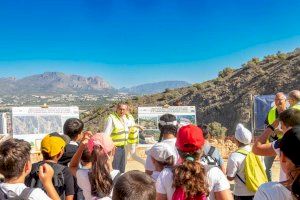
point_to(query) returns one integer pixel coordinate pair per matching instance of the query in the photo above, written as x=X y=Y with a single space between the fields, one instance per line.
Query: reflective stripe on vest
x=119 y=133
x=272 y=115
x=297 y=107
x=133 y=136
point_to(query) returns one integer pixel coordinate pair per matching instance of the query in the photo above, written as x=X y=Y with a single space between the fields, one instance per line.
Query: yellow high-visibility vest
x=120 y=134
x=272 y=115
x=297 y=107
x=272 y=118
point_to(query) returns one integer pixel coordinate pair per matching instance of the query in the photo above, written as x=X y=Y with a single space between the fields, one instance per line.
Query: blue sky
x=130 y=42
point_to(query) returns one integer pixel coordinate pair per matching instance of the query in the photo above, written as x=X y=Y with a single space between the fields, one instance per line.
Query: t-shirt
x=273 y=191
x=65 y=190
x=36 y=194
x=216 y=154
x=149 y=164
x=235 y=166
x=83 y=182
x=282 y=175
x=69 y=152
x=216 y=179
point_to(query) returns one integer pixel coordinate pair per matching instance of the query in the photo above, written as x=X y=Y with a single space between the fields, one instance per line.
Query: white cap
x=161 y=151
x=242 y=134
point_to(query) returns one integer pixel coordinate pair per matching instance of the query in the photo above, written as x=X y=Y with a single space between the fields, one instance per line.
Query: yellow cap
x=52 y=145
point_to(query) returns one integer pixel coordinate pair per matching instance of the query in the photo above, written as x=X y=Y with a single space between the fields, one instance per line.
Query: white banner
x=148 y=117
x=33 y=123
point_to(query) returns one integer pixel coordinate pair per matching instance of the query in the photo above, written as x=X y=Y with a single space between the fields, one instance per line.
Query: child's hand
x=86 y=136
x=46 y=173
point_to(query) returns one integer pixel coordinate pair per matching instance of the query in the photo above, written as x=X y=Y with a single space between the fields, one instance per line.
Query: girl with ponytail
x=191 y=179
x=96 y=182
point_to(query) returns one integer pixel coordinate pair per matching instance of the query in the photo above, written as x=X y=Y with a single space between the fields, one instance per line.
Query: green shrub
x=217 y=130
x=226 y=72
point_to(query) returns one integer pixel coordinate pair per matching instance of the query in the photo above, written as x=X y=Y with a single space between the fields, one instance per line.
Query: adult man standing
x=117 y=127
x=280 y=106
x=294 y=99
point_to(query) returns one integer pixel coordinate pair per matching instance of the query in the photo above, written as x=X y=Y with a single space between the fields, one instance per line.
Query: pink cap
x=101 y=141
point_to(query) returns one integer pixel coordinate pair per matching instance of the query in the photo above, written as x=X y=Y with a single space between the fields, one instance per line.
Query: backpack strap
x=26 y=193
x=3 y=194
x=240 y=179
x=211 y=151
x=243 y=152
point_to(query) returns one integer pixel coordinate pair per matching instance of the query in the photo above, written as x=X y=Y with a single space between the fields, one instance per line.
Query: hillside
x=226 y=99
x=53 y=82
x=152 y=88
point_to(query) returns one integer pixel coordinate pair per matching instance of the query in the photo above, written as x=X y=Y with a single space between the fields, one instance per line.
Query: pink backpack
x=179 y=194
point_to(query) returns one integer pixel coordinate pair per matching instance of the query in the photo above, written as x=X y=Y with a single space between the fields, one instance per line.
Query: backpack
x=209 y=159
x=255 y=174
x=179 y=194
x=33 y=180
x=13 y=196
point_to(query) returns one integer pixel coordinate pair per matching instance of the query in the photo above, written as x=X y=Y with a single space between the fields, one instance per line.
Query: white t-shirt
x=235 y=166
x=149 y=164
x=282 y=175
x=36 y=194
x=273 y=191
x=216 y=179
x=83 y=182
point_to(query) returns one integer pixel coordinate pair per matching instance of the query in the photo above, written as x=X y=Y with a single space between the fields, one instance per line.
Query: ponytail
x=191 y=175
x=99 y=176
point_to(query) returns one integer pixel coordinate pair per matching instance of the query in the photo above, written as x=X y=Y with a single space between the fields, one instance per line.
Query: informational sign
x=148 y=117
x=3 y=123
x=33 y=123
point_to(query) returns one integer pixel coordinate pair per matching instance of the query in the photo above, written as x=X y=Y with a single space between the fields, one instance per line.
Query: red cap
x=189 y=138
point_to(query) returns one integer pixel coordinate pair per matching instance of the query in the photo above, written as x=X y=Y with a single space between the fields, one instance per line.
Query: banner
x=33 y=123
x=262 y=105
x=3 y=123
x=148 y=117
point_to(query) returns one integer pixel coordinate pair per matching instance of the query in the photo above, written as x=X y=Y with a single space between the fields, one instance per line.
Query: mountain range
x=60 y=83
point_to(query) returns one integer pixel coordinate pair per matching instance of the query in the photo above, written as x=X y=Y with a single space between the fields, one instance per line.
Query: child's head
x=73 y=128
x=134 y=185
x=162 y=155
x=167 y=125
x=52 y=147
x=189 y=143
x=14 y=158
x=242 y=135
x=86 y=157
x=289 y=158
x=102 y=151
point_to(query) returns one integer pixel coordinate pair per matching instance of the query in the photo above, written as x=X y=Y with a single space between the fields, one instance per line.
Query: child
x=96 y=182
x=191 y=179
x=134 y=185
x=72 y=128
x=52 y=148
x=162 y=156
x=290 y=163
x=15 y=165
x=236 y=164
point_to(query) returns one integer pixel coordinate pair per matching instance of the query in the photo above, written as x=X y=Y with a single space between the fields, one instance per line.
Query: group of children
x=182 y=165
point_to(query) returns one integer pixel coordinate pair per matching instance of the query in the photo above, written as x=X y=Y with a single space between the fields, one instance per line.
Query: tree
x=226 y=72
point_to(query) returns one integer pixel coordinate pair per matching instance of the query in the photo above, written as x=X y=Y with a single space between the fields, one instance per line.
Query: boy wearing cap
x=52 y=148
x=236 y=164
